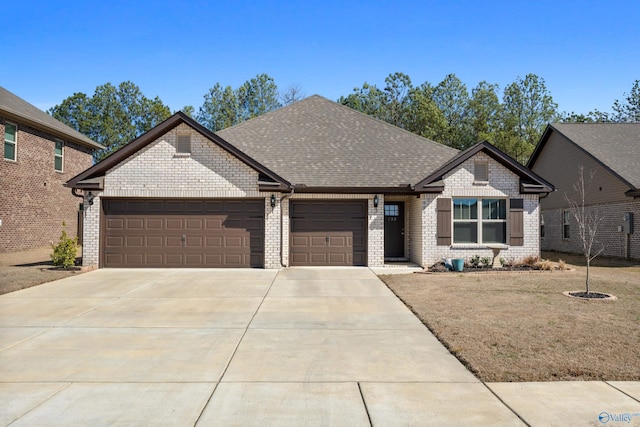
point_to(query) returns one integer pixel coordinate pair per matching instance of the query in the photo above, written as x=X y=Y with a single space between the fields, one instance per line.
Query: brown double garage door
x=182 y=233
x=228 y=233
x=328 y=233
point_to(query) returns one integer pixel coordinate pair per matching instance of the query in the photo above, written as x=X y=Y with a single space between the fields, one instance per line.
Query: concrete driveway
x=298 y=346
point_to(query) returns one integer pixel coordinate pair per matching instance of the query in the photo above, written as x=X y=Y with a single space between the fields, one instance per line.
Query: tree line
x=512 y=119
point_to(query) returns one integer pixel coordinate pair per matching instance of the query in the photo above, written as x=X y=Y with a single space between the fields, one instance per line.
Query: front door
x=394 y=230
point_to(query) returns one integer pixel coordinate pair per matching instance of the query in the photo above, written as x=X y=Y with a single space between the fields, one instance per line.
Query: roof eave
x=403 y=189
x=522 y=171
x=14 y=115
x=172 y=122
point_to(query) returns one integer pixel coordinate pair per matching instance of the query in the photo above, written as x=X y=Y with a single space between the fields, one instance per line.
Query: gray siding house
x=609 y=154
x=311 y=184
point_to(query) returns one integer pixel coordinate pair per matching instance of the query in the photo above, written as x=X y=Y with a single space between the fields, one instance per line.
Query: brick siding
x=33 y=201
x=614 y=241
x=460 y=183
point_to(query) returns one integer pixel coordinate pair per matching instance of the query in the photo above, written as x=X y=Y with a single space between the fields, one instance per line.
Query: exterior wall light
x=273 y=200
x=375 y=201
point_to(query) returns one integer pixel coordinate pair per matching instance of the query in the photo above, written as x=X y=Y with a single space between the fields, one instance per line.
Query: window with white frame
x=10 y=141
x=566 y=224
x=479 y=220
x=542 y=225
x=58 y=156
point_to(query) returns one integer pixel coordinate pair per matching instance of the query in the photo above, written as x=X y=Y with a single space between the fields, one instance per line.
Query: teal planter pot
x=458 y=264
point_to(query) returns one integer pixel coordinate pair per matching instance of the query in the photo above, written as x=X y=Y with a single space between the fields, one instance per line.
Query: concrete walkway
x=298 y=346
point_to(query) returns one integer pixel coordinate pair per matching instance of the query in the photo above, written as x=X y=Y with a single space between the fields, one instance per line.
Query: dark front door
x=394 y=230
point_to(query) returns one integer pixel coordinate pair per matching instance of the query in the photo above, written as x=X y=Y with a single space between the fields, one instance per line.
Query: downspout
x=74 y=192
x=285 y=196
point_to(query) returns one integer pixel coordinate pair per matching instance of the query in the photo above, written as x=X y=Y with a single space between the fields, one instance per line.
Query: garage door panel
x=195 y=224
x=135 y=241
x=115 y=223
x=194 y=242
x=114 y=241
x=154 y=241
x=154 y=224
x=328 y=232
x=318 y=241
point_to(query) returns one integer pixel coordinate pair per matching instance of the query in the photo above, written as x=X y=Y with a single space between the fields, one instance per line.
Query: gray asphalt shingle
x=617 y=145
x=320 y=143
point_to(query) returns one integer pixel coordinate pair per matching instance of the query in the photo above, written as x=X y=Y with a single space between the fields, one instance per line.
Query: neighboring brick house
x=314 y=183
x=609 y=154
x=39 y=155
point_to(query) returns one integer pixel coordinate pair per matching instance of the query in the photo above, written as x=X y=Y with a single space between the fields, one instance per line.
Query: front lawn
x=519 y=326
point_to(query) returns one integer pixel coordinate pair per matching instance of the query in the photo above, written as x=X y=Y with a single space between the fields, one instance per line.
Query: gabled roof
x=616 y=146
x=16 y=108
x=529 y=181
x=89 y=179
x=317 y=143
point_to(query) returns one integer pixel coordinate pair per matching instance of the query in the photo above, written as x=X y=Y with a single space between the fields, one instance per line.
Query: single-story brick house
x=314 y=183
x=609 y=154
x=40 y=154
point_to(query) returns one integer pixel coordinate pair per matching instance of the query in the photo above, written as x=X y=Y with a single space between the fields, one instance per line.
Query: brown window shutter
x=444 y=222
x=516 y=222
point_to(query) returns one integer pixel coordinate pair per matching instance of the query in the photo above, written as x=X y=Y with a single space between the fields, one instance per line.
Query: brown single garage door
x=182 y=233
x=328 y=233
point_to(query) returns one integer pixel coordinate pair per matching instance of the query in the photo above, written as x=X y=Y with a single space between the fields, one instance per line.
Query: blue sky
x=588 y=52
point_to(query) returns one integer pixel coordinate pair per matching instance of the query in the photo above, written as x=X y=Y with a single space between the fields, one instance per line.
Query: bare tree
x=588 y=220
x=293 y=93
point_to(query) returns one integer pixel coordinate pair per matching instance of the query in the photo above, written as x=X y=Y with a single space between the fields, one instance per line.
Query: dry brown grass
x=519 y=326
x=20 y=270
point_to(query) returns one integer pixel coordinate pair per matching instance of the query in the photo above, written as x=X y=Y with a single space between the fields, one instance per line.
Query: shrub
x=64 y=253
x=531 y=260
x=562 y=265
x=475 y=261
x=487 y=261
x=544 y=264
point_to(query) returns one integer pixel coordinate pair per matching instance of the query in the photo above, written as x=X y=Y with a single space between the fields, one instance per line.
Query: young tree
x=485 y=110
x=588 y=220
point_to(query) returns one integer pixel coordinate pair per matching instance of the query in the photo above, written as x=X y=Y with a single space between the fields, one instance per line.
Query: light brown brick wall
x=33 y=201
x=615 y=242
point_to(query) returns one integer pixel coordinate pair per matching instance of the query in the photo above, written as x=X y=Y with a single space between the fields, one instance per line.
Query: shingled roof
x=319 y=143
x=614 y=145
x=16 y=108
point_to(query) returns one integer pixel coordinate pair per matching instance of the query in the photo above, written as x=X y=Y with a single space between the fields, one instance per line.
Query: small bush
x=64 y=253
x=474 y=261
x=544 y=264
x=562 y=265
x=531 y=260
x=487 y=261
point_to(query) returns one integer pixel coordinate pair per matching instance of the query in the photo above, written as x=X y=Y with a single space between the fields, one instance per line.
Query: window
x=184 y=144
x=58 y=156
x=10 y=141
x=391 y=210
x=487 y=226
x=542 y=225
x=566 y=224
x=481 y=172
